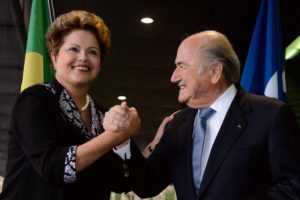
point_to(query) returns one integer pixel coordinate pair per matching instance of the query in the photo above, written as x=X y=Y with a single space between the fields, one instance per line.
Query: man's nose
x=175 y=76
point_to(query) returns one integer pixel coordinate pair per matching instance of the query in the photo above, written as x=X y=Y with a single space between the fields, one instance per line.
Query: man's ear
x=216 y=70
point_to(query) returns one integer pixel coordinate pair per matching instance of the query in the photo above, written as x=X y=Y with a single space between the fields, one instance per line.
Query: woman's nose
x=82 y=55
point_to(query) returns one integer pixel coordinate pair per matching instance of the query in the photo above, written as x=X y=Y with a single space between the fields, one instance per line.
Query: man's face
x=193 y=82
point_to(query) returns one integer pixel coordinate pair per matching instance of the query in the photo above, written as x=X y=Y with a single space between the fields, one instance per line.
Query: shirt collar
x=222 y=104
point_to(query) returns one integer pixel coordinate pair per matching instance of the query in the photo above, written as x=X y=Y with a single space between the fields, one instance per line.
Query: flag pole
x=51 y=10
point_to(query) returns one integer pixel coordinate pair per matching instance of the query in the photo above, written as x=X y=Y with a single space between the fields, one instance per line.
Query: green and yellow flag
x=37 y=63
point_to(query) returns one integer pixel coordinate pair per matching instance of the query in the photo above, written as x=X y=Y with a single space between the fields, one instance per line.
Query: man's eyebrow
x=179 y=63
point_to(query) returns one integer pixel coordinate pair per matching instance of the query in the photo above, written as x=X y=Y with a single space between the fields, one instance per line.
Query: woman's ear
x=53 y=59
x=216 y=70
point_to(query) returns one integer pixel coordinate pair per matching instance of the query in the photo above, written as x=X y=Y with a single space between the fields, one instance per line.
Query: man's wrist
x=124 y=152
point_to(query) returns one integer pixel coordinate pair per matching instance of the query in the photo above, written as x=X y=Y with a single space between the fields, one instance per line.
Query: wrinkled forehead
x=191 y=49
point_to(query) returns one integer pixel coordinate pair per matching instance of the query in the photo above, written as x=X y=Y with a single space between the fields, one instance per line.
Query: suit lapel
x=185 y=150
x=232 y=127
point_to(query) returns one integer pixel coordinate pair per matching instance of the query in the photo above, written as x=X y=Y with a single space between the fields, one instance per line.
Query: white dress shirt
x=221 y=106
x=124 y=152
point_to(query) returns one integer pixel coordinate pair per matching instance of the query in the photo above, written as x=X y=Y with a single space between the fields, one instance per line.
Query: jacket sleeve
x=33 y=126
x=284 y=157
x=146 y=177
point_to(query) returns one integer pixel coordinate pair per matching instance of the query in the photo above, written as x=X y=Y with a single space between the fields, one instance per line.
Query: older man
x=247 y=148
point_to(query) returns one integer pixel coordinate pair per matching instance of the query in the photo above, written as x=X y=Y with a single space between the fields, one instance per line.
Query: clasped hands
x=122 y=120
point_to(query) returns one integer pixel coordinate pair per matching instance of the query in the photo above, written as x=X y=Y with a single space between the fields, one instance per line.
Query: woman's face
x=77 y=62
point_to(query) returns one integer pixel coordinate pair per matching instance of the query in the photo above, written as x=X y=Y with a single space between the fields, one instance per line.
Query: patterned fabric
x=71 y=113
x=70 y=170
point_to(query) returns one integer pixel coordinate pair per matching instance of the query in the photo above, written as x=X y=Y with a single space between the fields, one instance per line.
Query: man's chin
x=181 y=99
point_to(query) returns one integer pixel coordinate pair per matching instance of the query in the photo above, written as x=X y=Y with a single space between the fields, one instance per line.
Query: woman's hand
x=159 y=133
x=122 y=119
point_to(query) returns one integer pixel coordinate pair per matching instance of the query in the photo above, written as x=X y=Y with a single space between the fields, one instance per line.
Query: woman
x=58 y=148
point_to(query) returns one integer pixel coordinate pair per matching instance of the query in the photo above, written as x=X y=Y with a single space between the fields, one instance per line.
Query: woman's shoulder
x=44 y=93
x=38 y=90
x=36 y=96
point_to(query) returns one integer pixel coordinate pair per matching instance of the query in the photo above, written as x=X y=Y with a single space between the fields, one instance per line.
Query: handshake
x=123 y=120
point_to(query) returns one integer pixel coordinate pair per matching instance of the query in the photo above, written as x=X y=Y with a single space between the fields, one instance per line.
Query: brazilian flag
x=37 y=63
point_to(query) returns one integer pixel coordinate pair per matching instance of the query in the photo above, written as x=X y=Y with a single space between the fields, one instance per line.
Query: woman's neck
x=79 y=95
x=80 y=98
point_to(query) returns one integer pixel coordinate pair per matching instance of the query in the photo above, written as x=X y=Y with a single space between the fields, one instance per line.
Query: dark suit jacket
x=256 y=155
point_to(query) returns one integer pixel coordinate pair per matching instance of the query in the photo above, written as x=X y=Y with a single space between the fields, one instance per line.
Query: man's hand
x=117 y=118
x=122 y=119
x=134 y=122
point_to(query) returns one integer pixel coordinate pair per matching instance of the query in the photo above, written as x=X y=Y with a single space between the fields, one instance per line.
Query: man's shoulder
x=185 y=113
x=260 y=100
x=249 y=102
x=184 y=116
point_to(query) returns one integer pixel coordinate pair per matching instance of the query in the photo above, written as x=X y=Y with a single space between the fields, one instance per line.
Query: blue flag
x=263 y=71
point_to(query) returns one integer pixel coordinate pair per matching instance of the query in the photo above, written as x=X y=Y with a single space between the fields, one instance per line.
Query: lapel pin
x=239 y=126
